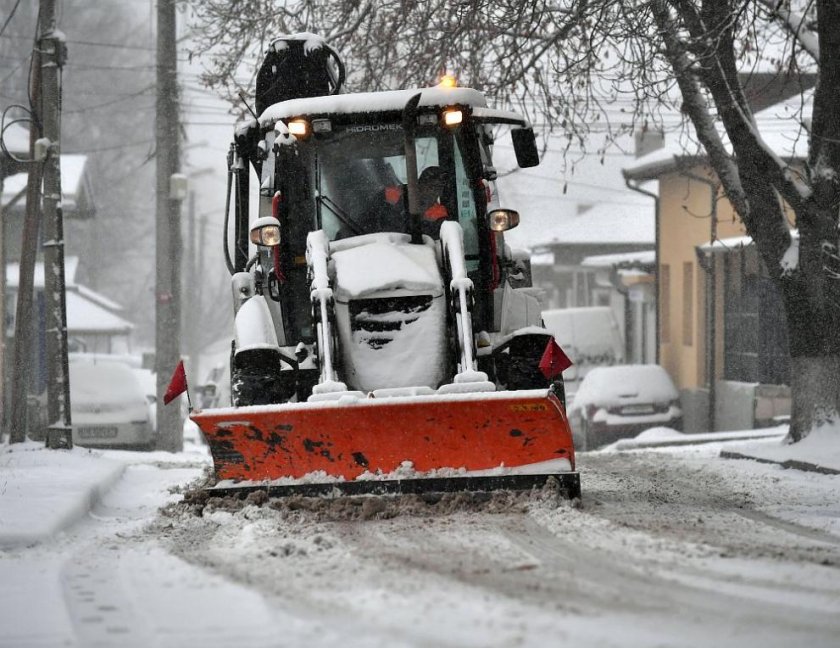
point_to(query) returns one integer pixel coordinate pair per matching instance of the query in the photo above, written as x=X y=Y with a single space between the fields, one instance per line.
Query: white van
x=591 y=338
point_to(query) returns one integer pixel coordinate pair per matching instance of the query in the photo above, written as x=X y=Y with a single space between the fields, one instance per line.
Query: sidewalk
x=44 y=491
x=818 y=452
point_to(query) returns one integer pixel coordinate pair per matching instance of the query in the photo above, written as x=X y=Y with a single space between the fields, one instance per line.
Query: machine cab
x=339 y=164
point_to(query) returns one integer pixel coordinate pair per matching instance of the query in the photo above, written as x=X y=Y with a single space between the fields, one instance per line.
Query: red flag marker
x=177 y=385
x=554 y=361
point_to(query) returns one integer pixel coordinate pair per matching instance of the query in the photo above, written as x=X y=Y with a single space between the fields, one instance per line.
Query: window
x=665 y=304
x=688 y=304
x=467 y=213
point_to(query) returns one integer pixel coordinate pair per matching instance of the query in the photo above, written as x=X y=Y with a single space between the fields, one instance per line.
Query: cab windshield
x=360 y=182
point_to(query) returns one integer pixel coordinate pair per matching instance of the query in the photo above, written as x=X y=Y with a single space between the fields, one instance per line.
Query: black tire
x=256 y=379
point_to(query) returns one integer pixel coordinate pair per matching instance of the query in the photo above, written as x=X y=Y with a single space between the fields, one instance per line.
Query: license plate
x=97 y=432
x=637 y=409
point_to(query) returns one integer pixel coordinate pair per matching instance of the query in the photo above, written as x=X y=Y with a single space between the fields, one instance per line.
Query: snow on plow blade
x=447 y=437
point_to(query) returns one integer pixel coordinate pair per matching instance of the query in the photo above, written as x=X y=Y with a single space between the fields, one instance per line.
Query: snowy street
x=670 y=547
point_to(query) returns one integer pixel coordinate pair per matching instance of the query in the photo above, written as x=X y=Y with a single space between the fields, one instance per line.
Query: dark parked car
x=620 y=402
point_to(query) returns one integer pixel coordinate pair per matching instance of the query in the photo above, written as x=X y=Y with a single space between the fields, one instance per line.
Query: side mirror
x=525 y=147
x=266 y=231
x=502 y=220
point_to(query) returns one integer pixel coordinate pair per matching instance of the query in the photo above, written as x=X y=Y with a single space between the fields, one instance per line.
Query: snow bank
x=45 y=491
x=658 y=433
x=820 y=448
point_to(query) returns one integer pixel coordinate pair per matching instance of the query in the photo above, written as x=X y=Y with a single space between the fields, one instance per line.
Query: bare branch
x=795 y=23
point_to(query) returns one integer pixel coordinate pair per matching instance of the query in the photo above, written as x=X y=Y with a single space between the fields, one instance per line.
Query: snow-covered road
x=668 y=549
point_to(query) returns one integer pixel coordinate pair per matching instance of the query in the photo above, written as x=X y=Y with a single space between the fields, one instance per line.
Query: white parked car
x=108 y=406
x=590 y=336
x=620 y=402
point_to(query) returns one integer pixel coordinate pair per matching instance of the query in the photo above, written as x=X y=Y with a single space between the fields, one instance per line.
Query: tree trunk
x=815 y=389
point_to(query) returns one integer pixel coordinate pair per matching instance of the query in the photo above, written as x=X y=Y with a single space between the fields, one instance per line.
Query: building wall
x=685 y=223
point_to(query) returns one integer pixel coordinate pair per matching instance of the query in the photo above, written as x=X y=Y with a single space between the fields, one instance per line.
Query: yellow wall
x=685 y=223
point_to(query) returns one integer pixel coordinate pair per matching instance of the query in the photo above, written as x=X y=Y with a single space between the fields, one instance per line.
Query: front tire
x=255 y=378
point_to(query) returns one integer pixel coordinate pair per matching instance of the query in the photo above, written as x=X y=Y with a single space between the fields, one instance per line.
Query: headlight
x=452 y=117
x=266 y=231
x=299 y=128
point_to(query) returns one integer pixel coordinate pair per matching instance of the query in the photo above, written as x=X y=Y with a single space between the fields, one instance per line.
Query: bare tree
x=606 y=67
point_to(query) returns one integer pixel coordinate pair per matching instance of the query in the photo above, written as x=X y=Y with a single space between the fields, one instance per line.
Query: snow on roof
x=646 y=258
x=370 y=102
x=497 y=115
x=734 y=242
x=606 y=223
x=543 y=258
x=16 y=139
x=85 y=316
x=549 y=196
x=72 y=176
x=783 y=127
x=12 y=186
x=97 y=298
x=71 y=263
x=87 y=310
x=72 y=173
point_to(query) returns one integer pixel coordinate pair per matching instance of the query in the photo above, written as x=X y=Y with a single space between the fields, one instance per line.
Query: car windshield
x=360 y=180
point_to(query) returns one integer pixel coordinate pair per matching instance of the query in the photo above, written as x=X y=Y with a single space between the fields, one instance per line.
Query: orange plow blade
x=376 y=436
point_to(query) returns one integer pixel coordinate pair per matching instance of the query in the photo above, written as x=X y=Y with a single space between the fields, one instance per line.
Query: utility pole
x=3 y=291
x=168 y=227
x=23 y=358
x=53 y=56
x=190 y=328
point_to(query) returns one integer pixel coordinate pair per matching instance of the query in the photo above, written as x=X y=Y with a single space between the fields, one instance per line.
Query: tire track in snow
x=734 y=508
x=667 y=550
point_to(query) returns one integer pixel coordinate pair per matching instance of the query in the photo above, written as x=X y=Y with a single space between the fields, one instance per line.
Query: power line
x=113 y=148
x=141 y=48
x=9 y=19
x=111 y=102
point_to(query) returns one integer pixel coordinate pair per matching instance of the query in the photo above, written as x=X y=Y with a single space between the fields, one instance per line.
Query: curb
x=690 y=439
x=790 y=464
x=74 y=511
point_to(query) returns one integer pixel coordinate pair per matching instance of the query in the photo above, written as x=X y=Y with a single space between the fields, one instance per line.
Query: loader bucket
x=372 y=438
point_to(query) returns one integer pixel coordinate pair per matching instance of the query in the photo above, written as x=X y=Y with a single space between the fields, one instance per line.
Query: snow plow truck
x=385 y=338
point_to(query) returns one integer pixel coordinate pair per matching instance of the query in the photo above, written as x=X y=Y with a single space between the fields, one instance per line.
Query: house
x=605 y=228
x=76 y=200
x=93 y=321
x=721 y=333
x=631 y=279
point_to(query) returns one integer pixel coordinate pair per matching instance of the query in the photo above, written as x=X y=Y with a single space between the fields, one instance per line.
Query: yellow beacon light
x=448 y=81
